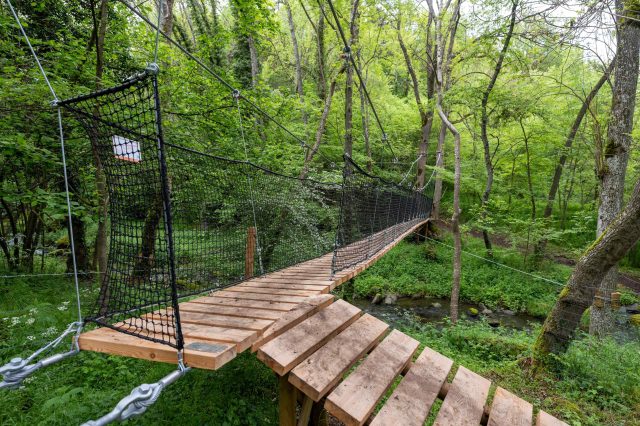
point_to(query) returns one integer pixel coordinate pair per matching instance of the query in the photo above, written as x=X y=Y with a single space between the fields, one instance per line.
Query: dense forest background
x=502 y=110
x=288 y=58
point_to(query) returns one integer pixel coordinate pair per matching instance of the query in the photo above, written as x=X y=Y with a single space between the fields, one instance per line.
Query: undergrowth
x=425 y=270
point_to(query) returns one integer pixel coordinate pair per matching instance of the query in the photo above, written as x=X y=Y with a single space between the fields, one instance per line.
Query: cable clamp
x=18 y=369
x=152 y=68
x=140 y=398
x=236 y=94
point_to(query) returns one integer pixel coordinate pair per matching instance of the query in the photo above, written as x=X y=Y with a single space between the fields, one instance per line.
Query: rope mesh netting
x=374 y=213
x=181 y=219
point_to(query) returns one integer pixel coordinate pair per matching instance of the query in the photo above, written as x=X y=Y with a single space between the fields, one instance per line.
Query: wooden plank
x=242 y=338
x=287 y=350
x=232 y=311
x=411 y=401
x=197 y=353
x=313 y=288
x=509 y=410
x=464 y=403
x=353 y=401
x=224 y=321
x=286 y=284
x=230 y=294
x=294 y=317
x=546 y=419
x=286 y=280
x=274 y=290
x=243 y=303
x=318 y=374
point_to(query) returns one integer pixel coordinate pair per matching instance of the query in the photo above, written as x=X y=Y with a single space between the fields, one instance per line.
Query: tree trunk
x=296 y=52
x=616 y=151
x=484 y=121
x=426 y=116
x=166 y=23
x=442 y=72
x=322 y=81
x=255 y=64
x=100 y=249
x=437 y=191
x=320 y=133
x=596 y=263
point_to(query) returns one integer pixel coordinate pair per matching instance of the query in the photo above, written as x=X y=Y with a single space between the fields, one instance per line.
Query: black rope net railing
x=184 y=222
x=374 y=213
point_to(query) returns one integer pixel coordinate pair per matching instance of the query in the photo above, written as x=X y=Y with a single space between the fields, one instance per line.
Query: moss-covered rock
x=635 y=319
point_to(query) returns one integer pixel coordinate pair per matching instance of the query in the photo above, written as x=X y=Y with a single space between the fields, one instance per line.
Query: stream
x=434 y=310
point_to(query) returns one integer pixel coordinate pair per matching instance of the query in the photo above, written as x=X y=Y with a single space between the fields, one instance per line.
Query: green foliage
x=595 y=382
x=426 y=269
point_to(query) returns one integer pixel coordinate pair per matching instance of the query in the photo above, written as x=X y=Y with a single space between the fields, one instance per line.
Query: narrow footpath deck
x=327 y=353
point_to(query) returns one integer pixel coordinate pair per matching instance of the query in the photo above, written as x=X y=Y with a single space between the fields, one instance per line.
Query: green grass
x=425 y=269
x=594 y=383
x=89 y=385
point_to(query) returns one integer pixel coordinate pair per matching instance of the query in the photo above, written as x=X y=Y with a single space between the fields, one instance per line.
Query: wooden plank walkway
x=327 y=352
x=350 y=374
x=219 y=326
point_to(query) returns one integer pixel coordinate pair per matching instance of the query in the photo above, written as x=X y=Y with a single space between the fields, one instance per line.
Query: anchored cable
x=236 y=97
x=215 y=75
x=363 y=86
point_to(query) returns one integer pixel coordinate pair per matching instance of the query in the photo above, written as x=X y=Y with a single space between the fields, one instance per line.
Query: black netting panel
x=137 y=295
x=214 y=203
x=185 y=222
x=374 y=212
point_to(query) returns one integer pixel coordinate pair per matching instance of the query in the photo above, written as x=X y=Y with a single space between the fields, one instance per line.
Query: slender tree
x=484 y=122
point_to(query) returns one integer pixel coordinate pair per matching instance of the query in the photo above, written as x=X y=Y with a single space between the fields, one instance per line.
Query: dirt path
x=502 y=241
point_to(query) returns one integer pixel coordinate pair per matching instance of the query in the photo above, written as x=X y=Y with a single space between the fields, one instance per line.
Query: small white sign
x=126 y=149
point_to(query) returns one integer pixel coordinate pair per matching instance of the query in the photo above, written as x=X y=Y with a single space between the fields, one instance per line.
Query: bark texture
x=612 y=245
x=484 y=122
x=616 y=151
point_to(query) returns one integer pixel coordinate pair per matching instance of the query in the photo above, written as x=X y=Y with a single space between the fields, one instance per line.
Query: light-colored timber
x=324 y=350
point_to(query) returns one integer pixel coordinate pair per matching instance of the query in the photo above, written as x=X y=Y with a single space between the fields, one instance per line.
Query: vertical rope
x=236 y=97
x=64 y=159
x=155 y=51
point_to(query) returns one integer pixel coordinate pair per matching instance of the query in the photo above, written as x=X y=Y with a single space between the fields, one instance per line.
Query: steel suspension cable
x=363 y=86
x=221 y=80
x=155 y=50
x=236 y=96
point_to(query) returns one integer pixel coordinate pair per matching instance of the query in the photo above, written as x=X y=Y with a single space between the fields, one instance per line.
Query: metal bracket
x=18 y=369
x=152 y=68
x=140 y=398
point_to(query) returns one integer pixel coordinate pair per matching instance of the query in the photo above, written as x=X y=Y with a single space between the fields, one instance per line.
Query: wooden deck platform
x=219 y=326
x=327 y=353
x=347 y=362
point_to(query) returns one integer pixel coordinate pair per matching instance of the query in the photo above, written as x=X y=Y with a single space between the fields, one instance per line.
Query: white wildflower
x=31 y=338
x=33 y=311
x=62 y=308
x=30 y=321
x=15 y=321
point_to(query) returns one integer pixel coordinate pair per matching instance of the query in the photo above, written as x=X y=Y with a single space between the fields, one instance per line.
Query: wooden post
x=286 y=401
x=615 y=300
x=598 y=300
x=249 y=256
